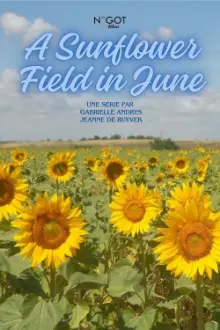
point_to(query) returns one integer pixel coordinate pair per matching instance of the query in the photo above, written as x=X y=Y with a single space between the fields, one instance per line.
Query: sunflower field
x=109 y=239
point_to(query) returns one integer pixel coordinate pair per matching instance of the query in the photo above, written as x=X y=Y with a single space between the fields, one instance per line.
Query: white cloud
x=147 y=36
x=165 y=32
x=37 y=116
x=11 y=23
x=9 y=76
x=38 y=27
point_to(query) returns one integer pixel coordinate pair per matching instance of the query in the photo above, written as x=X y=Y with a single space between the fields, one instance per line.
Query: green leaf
x=184 y=285
x=137 y=299
x=97 y=318
x=42 y=187
x=122 y=279
x=168 y=304
x=13 y=265
x=138 y=293
x=28 y=304
x=90 y=213
x=144 y=321
x=4 y=264
x=62 y=306
x=79 y=313
x=80 y=278
x=216 y=315
x=162 y=326
x=212 y=325
x=18 y=264
x=5 y=226
x=8 y=235
x=87 y=255
x=215 y=200
x=42 y=316
x=10 y=315
x=28 y=282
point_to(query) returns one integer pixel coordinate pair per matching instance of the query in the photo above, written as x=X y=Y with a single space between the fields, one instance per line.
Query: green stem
x=178 y=308
x=57 y=187
x=108 y=243
x=199 y=303
x=47 y=279
x=110 y=194
x=144 y=270
x=52 y=282
x=178 y=316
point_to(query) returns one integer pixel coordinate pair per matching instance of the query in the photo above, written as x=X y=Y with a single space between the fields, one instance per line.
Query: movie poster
x=109 y=165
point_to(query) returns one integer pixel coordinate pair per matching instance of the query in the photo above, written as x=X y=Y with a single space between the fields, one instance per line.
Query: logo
x=109 y=21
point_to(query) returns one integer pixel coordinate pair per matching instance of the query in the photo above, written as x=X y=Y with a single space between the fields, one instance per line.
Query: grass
x=184 y=144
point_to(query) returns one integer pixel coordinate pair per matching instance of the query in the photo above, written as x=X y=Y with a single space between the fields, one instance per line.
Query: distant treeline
x=118 y=137
x=155 y=143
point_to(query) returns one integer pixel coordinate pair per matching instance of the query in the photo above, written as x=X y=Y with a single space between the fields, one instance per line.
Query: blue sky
x=179 y=19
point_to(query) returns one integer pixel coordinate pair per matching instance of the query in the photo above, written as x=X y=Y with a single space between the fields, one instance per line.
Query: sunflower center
x=50 y=233
x=142 y=169
x=153 y=160
x=171 y=175
x=51 y=229
x=91 y=163
x=11 y=168
x=180 y=164
x=60 y=168
x=195 y=241
x=159 y=179
x=6 y=192
x=134 y=210
x=114 y=170
x=19 y=156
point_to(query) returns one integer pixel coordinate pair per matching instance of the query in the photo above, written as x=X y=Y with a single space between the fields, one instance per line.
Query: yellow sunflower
x=100 y=162
x=170 y=183
x=208 y=158
x=115 y=171
x=13 y=192
x=201 y=175
x=72 y=153
x=153 y=161
x=142 y=167
x=60 y=167
x=190 y=243
x=202 y=167
x=19 y=156
x=200 y=149
x=134 y=208
x=12 y=167
x=202 y=164
x=160 y=177
x=181 y=195
x=181 y=164
x=50 y=230
x=105 y=153
x=170 y=165
x=91 y=163
x=118 y=149
x=172 y=174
